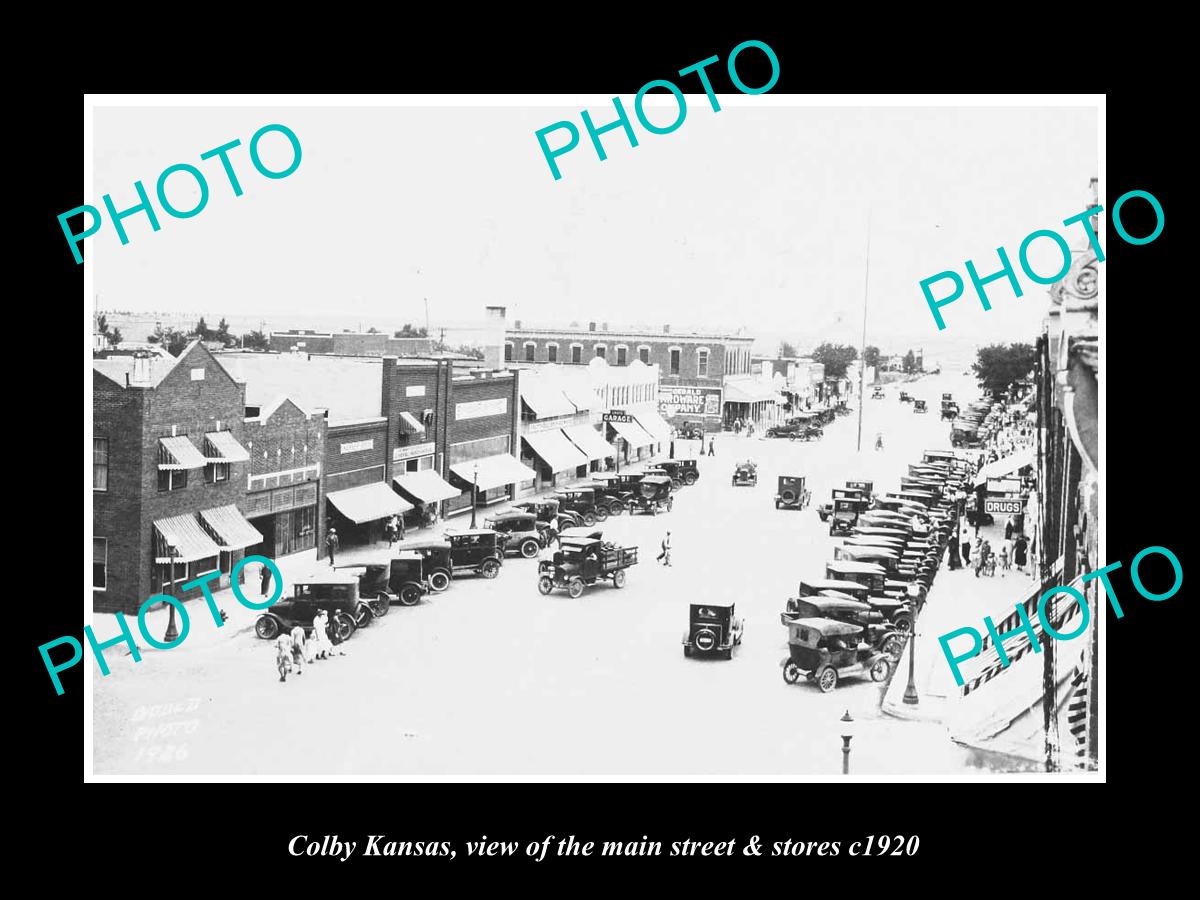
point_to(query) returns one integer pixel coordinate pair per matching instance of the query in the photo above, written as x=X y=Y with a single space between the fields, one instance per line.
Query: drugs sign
x=1003 y=505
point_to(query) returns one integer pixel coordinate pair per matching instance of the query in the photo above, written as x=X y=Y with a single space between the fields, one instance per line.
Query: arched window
x=530 y=351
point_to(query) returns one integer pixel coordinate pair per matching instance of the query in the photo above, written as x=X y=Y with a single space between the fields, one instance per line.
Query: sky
x=753 y=217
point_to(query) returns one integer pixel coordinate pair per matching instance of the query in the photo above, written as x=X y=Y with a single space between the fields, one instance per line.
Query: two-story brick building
x=349 y=343
x=169 y=468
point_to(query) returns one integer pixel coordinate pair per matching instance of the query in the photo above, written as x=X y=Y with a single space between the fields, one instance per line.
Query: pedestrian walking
x=389 y=531
x=966 y=547
x=331 y=544
x=711 y=441
x=1005 y=559
x=1019 y=552
x=552 y=535
x=665 y=556
x=1008 y=529
x=283 y=655
x=264 y=579
x=399 y=527
x=335 y=640
x=319 y=642
x=299 y=649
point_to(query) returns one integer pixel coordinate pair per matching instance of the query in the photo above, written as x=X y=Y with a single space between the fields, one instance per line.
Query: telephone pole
x=862 y=362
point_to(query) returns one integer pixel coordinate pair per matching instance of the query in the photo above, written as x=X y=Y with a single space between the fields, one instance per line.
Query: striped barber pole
x=1077 y=712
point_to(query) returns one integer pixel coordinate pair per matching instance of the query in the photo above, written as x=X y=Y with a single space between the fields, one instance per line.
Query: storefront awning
x=588 y=439
x=187 y=536
x=223 y=447
x=494 y=471
x=748 y=390
x=231 y=528
x=368 y=502
x=1006 y=466
x=545 y=400
x=553 y=448
x=179 y=453
x=634 y=434
x=655 y=426
x=411 y=424
x=426 y=486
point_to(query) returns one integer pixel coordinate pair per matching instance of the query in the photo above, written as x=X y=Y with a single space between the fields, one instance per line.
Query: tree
x=910 y=362
x=222 y=333
x=409 y=332
x=998 y=367
x=871 y=356
x=372 y=330
x=255 y=340
x=202 y=330
x=835 y=357
x=462 y=349
x=172 y=338
x=113 y=337
x=787 y=350
x=102 y=324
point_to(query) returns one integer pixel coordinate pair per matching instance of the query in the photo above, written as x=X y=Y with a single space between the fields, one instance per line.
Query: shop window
x=552 y=353
x=215 y=473
x=172 y=479
x=199 y=567
x=99 y=563
x=304 y=522
x=99 y=464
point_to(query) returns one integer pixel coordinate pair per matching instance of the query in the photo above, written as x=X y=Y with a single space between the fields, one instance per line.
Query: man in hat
x=332 y=544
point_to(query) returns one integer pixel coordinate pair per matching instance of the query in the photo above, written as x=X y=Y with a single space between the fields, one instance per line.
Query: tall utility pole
x=862 y=363
x=426 y=315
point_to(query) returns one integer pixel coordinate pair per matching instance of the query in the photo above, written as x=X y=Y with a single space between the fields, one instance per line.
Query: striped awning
x=426 y=486
x=232 y=530
x=368 y=502
x=411 y=424
x=223 y=447
x=553 y=448
x=588 y=439
x=655 y=426
x=179 y=453
x=635 y=435
x=187 y=536
x=493 y=471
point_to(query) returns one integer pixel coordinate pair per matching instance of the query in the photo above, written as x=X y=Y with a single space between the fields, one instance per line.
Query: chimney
x=493 y=341
x=666 y=329
x=517 y=324
x=141 y=367
x=591 y=326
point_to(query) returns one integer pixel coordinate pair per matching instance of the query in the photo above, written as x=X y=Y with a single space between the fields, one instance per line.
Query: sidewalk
x=957 y=600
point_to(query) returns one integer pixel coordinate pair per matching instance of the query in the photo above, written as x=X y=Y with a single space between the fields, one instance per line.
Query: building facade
x=349 y=343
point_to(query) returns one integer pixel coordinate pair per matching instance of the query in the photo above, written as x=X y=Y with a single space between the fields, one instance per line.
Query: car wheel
x=588 y=520
x=827 y=679
x=903 y=624
x=381 y=604
x=880 y=669
x=490 y=568
x=619 y=578
x=616 y=508
x=410 y=594
x=601 y=513
x=791 y=672
x=266 y=627
x=529 y=549
x=792 y=436
x=575 y=588
x=545 y=584
x=690 y=478
x=439 y=581
x=893 y=646
x=343 y=626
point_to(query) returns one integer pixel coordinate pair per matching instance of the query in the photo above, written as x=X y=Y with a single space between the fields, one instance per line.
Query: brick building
x=555 y=419
x=696 y=371
x=169 y=474
x=349 y=343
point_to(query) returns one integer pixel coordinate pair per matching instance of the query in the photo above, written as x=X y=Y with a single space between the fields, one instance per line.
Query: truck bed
x=618 y=558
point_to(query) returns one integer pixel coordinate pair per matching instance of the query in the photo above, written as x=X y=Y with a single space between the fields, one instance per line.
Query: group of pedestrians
x=393 y=530
x=294 y=649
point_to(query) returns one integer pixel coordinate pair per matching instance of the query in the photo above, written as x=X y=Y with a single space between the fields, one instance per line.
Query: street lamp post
x=847 y=722
x=910 y=690
x=172 y=633
x=474 y=491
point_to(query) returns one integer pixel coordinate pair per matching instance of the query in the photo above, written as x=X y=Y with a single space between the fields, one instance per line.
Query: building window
x=622 y=354
x=644 y=354
x=99 y=563
x=201 y=567
x=601 y=351
x=530 y=352
x=172 y=479
x=508 y=352
x=702 y=362
x=552 y=353
x=577 y=353
x=675 y=360
x=225 y=561
x=99 y=464
x=215 y=473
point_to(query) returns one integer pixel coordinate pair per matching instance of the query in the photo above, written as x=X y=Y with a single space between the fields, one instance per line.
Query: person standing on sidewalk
x=264 y=579
x=320 y=640
x=400 y=526
x=331 y=544
x=1019 y=549
x=966 y=547
x=389 y=531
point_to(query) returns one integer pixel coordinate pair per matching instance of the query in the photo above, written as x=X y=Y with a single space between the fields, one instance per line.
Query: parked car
x=478 y=550
x=791 y=493
x=877 y=632
x=610 y=491
x=825 y=651
x=681 y=471
x=332 y=591
x=582 y=561
x=582 y=500
x=438 y=565
x=653 y=495
x=870 y=588
x=905 y=398
x=712 y=629
x=402 y=579
x=800 y=428
x=919 y=406
x=949 y=409
x=691 y=431
x=524 y=534
x=548 y=509
x=745 y=473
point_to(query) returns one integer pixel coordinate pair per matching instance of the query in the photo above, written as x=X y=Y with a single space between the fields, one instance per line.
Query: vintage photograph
x=707 y=457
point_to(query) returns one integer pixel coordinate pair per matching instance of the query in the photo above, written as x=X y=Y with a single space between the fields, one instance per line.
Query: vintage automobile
x=975 y=517
x=332 y=591
x=583 y=500
x=877 y=631
x=792 y=493
x=862 y=501
x=691 y=431
x=745 y=473
x=681 y=471
x=712 y=629
x=524 y=534
x=404 y=579
x=878 y=394
x=905 y=398
x=582 y=561
x=949 y=409
x=897 y=611
x=477 y=550
x=965 y=435
x=547 y=509
x=842 y=514
x=797 y=428
x=653 y=495
x=825 y=650
x=946 y=397
x=437 y=554
x=919 y=406
x=610 y=491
